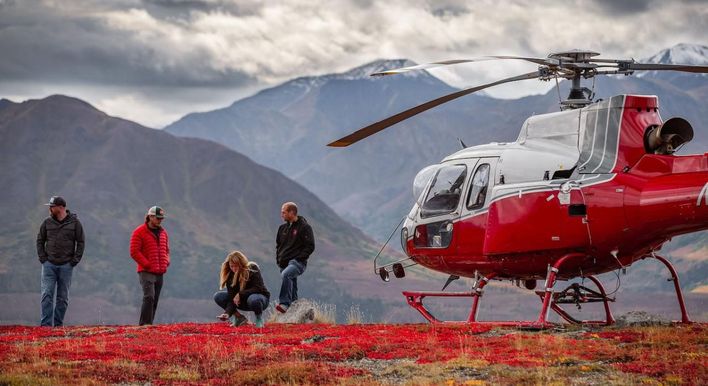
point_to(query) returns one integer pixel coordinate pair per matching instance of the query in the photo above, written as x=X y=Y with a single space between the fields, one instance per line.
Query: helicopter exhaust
x=665 y=139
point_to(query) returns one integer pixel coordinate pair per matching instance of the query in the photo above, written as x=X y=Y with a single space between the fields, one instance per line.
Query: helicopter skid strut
x=679 y=294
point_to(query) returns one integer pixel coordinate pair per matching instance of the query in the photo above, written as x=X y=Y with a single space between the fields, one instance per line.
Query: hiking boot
x=282 y=308
x=238 y=320
x=259 y=321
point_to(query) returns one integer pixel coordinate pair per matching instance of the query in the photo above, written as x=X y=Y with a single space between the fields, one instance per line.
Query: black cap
x=56 y=201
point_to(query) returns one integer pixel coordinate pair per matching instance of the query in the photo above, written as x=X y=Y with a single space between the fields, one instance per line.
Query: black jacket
x=61 y=242
x=294 y=241
x=254 y=285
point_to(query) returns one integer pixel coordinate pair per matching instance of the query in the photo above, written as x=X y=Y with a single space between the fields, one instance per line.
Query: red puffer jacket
x=151 y=253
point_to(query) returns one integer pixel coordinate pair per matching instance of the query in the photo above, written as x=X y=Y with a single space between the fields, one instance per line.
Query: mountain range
x=369 y=183
x=224 y=175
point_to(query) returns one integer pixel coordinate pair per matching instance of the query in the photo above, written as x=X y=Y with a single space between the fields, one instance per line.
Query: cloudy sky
x=153 y=61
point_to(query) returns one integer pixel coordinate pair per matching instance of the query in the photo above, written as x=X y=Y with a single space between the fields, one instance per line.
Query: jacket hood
x=253 y=264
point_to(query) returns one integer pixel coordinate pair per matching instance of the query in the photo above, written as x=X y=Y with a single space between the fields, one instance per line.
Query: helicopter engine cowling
x=669 y=197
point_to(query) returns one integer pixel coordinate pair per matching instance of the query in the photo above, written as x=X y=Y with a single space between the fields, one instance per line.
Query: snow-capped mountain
x=694 y=54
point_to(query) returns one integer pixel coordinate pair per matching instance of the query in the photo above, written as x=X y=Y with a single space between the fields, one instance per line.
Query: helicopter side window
x=445 y=190
x=478 y=191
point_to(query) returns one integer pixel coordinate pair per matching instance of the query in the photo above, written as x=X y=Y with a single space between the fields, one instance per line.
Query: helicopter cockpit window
x=478 y=190
x=445 y=190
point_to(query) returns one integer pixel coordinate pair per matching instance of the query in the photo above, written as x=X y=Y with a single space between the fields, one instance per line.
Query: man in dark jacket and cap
x=60 y=246
x=293 y=245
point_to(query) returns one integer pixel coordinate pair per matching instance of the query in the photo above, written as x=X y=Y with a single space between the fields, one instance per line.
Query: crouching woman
x=242 y=288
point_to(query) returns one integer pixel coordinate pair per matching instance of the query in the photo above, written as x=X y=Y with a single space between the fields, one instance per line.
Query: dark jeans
x=288 y=288
x=255 y=302
x=55 y=277
x=151 y=284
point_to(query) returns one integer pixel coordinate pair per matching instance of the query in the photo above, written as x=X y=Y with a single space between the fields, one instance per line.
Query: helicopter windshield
x=421 y=182
x=445 y=189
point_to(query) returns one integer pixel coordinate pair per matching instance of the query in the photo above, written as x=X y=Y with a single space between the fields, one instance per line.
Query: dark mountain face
x=111 y=170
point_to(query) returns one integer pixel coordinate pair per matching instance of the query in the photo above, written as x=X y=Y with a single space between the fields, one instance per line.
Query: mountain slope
x=111 y=170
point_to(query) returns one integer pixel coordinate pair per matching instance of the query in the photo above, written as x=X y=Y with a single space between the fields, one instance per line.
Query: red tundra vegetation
x=352 y=355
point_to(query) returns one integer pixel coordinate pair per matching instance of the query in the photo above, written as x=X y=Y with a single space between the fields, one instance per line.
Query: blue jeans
x=289 y=274
x=55 y=277
x=255 y=302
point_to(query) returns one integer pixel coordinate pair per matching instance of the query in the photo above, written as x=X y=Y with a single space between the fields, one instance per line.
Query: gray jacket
x=61 y=242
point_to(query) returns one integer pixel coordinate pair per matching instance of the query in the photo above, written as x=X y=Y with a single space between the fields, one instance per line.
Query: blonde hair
x=243 y=275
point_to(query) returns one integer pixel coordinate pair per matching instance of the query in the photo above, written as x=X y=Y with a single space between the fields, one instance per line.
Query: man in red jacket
x=149 y=247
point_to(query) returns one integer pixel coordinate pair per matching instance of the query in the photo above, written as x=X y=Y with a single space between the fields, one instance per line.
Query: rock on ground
x=301 y=311
x=641 y=318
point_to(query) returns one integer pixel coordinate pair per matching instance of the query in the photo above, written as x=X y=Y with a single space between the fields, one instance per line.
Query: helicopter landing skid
x=415 y=300
x=548 y=298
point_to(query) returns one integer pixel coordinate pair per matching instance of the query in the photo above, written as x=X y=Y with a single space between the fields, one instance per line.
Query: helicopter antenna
x=462 y=143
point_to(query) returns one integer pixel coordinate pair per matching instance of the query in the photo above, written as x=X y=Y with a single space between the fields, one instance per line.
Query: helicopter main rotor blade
x=545 y=62
x=392 y=120
x=666 y=67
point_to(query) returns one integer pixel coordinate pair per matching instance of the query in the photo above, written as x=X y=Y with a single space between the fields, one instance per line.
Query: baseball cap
x=156 y=211
x=56 y=201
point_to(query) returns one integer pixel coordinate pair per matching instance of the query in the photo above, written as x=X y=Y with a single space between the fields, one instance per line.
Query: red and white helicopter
x=584 y=191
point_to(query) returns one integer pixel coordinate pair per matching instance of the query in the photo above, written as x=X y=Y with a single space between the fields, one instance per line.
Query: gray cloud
x=85 y=49
x=624 y=7
x=168 y=48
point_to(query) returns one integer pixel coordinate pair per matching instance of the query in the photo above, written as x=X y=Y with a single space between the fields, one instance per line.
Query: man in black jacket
x=293 y=245
x=60 y=246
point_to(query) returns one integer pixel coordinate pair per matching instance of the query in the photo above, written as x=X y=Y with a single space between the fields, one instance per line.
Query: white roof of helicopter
x=554 y=141
x=547 y=142
x=553 y=129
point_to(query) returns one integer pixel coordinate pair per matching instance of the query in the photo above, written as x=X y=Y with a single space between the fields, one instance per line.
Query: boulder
x=301 y=311
x=641 y=318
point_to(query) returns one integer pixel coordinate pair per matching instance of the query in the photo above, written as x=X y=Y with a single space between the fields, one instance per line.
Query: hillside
x=110 y=171
x=375 y=354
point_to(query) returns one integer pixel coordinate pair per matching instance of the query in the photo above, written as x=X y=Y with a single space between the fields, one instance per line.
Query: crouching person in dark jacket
x=242 y=288
x=60 y=246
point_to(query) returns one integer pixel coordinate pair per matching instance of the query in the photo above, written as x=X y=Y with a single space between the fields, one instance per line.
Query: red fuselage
x=614 y=217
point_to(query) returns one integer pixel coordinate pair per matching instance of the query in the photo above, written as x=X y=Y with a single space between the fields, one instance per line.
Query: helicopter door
x=536 y=217
x=473 y=219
